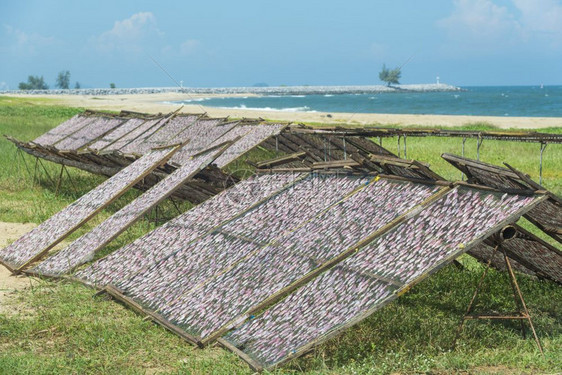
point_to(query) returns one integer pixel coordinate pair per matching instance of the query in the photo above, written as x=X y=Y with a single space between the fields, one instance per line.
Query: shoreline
x=156 y=103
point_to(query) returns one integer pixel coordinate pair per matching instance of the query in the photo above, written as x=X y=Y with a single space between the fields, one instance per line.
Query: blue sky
x=239 y=43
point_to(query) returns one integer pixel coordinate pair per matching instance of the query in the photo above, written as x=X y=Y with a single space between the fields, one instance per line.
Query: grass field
x=58 y=327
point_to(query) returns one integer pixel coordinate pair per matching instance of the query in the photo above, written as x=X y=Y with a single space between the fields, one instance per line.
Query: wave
x=283 y=96
x=191 y=100
x=328 y=95
x=288 y=109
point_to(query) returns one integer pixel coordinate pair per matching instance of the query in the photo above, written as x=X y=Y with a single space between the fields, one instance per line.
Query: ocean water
x=527 y=101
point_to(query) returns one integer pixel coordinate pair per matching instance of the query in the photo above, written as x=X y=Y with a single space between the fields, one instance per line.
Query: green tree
x=77 y=85
x=390 y=76
x=112 y=85
x=34 y=83
x=63 y=79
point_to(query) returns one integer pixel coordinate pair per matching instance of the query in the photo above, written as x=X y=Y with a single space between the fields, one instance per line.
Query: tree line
x=62 y=82
x=390 y=76
x=38 y=82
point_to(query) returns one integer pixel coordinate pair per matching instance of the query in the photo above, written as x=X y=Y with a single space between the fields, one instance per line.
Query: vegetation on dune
x=38 y=83
x=57 y=327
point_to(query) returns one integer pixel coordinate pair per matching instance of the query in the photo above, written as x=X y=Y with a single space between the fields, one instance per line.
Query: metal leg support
x=523 y=312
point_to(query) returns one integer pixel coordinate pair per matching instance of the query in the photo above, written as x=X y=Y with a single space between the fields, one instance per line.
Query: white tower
x=437 y=79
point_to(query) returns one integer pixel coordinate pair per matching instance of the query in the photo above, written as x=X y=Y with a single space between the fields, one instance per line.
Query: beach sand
x=9 y=284
x=155 y=103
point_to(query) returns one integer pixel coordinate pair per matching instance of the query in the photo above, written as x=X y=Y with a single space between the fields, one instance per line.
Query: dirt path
x=8 y=283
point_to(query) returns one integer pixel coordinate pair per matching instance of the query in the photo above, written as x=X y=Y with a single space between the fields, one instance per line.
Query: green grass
x=58 y=327
x=62 y=329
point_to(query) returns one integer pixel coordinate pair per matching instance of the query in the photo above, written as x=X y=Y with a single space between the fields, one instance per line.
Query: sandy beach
x=154 y=103
x=9 y=284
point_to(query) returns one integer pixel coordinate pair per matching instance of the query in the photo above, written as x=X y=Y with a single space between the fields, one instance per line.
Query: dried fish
x=200 y=135
x=92 y=131
x=116 y=134
x=251 y=136
x=293 y=255
x=65 y=129
x=169 y=279
x=362 y=282
x=126 y=143
x=185 y=228
x=70 y=218
x=84 y=248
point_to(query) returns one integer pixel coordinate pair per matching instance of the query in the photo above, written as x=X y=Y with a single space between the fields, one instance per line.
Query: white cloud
x=479 y=19
x=132 y=35
x=140 y=33
x=27 y=44
x=542 y=17
x=484 y=23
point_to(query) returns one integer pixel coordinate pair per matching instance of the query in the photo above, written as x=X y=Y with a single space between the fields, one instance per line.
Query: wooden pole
x=35 y=171
x=72 y=185
x=478 y=144
x=20 y=153
x=59 y=180
x=543 y=147
x=462 y=153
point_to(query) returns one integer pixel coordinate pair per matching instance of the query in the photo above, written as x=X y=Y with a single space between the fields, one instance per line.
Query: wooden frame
x=117 y=230
x=38 y=255
x=523 y=183
x=272 y=299
x=399 y=292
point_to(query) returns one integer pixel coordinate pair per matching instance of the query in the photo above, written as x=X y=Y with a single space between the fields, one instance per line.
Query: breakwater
x=273 y=90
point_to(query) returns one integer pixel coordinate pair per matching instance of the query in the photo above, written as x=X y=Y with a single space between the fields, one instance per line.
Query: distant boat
x=542 y=86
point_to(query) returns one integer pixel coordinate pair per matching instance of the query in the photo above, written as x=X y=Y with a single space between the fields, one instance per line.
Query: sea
x=509 y=101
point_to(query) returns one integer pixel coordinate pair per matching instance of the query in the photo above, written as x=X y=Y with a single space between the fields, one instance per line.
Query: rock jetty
x=273 y=90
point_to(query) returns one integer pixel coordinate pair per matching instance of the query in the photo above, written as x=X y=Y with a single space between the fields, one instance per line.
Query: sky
x=240 y=43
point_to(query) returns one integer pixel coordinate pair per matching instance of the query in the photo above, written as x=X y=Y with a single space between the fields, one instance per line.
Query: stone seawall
x=277 y=90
